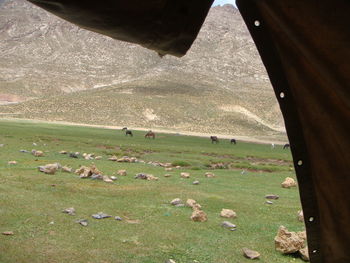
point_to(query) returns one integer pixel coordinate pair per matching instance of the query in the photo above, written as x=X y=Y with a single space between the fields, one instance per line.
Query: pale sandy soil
x=255 y=139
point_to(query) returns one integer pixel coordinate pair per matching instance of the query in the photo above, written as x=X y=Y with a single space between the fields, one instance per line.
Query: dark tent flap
x=166 y=26
x=305 y=48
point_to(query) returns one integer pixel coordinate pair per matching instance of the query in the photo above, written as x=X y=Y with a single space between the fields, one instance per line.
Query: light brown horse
x=150 y=134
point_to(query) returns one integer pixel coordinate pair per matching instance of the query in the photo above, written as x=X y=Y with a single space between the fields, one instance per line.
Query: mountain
x=53 y=70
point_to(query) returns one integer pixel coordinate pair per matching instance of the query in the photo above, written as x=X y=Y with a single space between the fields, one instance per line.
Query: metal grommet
x=300 y=162
x=311 y=219
x=314 y=251
x=256 y=23
x=282 y=95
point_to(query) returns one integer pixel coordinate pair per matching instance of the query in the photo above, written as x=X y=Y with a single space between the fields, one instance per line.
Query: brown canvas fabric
x=166 y=26
x=305 y=46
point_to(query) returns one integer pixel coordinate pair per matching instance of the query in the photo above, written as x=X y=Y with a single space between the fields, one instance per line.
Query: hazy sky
x=222 y=2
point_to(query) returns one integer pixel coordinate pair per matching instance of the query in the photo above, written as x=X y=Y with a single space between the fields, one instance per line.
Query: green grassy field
x=29 y=202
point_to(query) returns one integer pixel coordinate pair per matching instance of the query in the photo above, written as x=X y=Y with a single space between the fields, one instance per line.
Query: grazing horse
x=233 y=141
x=214 y=139
x=286 y=146
x=127 y=132
x=150 y=134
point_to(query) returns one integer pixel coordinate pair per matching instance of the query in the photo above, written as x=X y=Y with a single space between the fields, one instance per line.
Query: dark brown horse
x=214 y=139
x=286 y=146
x=150 y=134
x=233 y=141
x=127 y=132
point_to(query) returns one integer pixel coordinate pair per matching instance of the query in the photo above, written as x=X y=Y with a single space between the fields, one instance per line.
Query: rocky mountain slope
x=53 y=70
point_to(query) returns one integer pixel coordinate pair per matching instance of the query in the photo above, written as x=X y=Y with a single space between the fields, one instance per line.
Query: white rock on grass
x=209 y=175
x=228 y=213
x=67 y=169
x=185 y=175
x=251 y=254
x=38 y=153
x=69 y=211
x=288 y=183
x=106 y=179
x=122 y=172
x=193 y=204
x=176 y=201
x=49 y=168
x=300 y=216
x=11 y=162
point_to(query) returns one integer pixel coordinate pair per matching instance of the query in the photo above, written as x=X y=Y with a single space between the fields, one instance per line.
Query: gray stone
x=100 y=215
x=229 y=225
x=69 y=211
x=176 y=201
x=118 y=218
x=83 y=222
x=273 y=197
x=195 y=182
x=251 y=254
x=269 y=202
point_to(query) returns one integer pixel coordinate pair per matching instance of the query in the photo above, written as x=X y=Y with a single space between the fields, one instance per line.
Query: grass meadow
x=152 y=230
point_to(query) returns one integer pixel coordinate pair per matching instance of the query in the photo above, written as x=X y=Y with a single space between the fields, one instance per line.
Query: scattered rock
x=38 y=153
x=7 y=233
x=300 y=216
x=88 y=156
x=113 y=158
x=122 y=173
x=199 y=216
x=289 y=242
x=74 y=155
x=126 y=159
x=98 y=157
x=304 y=254
x=167 y=175
x=209 y=175
x=106 y=179
x=114 y=178
x=63 y=152
x=2 y=145
x=24 y=151
x=228 y=213
x=100 y=215
x=273 y=197
x=168 y=169
x=170 y=261
x=67 y=169
x=11 y=162
x=176 y=201
x=180 y=205
x=69 y=211
x=118 y=218
x=83 y=222
x=96 y=177
x=289 y=182
x=49 y=168
x=185 y=175
x=218 y=166
x=229 y=225
x=251 y=254
x=148 y=177
x=269 y=202
x=193 y=204
x=195 y=182
x=85 y=172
